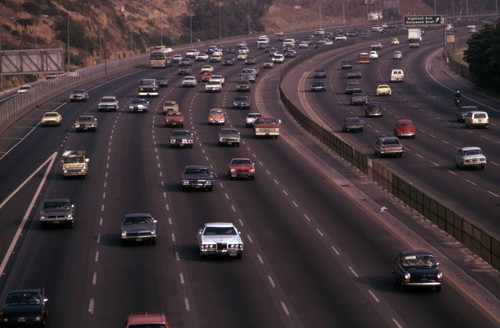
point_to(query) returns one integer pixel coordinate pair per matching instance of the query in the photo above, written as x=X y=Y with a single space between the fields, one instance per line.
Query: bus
x=160 y=56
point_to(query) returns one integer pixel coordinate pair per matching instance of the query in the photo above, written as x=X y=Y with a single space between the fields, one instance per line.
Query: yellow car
x=242 y=56
x=216 y=116
x=170 y=105
x=394 y=41
x=207 y=68
x=384 y=90
x=51 y=118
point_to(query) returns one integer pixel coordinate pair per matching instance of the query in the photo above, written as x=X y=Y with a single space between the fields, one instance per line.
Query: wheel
x=239 y=256
x=438 y=289
x=482 y=167
x=202 y=256
x=153 y=241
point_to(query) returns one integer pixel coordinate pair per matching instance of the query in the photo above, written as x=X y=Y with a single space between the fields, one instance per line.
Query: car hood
x=22 y=310
x=55 y=211
x=422 y=271
x=139 y=227
x=196 y=176
x=242 y=166
x=221 y=239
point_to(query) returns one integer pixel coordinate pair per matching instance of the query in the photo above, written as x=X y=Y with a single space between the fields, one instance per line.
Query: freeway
x=318 y=252
x=426 y=98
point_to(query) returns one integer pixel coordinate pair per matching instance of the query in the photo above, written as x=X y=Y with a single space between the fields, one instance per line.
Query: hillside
x=129 y=27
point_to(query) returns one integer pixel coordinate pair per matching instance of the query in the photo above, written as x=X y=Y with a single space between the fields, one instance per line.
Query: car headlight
x=407 y=276
x=440 y=275
x=172 y=140
x=77 y=125
x=185 y=182
x=252 y=170
x=124 y=234
x=43 y=217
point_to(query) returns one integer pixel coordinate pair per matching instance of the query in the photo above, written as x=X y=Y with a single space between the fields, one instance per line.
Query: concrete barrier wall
x=474 y=238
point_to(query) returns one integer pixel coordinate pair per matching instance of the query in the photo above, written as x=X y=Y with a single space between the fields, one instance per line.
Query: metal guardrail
x=471 y=236
x=22 y=103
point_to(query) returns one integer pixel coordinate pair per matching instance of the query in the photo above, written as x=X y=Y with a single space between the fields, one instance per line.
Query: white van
x=397 y=75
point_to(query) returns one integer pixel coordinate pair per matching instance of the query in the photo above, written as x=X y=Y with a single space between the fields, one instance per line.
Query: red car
x=206 y=76
x=174 y=118
x=147 y=320
x=241 y=168
x=404 y=129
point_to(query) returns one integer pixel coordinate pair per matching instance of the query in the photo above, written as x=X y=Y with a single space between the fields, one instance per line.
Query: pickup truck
x=388 y=146
x=148 y=87
x=57 y=212
x=75 y=163
x=266 y=126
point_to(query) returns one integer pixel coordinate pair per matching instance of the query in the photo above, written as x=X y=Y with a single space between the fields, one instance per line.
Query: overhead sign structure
x=423 y=20
x=34 y=61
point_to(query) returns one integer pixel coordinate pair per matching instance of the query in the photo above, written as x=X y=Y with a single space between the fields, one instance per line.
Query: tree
x=483 y=57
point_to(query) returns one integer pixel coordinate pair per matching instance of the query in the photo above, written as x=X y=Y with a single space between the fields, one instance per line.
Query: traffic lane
x=427 y=149
x=313 y=193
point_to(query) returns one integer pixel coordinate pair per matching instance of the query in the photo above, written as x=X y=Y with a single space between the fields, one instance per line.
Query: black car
x=417 y=269
x=318 y=86
x=228 y=61
x=373 y=109
x=25 y=307
x=242 y=102
x=352 y=124
x=319 y=73
x=138 y=227
x=197 y=177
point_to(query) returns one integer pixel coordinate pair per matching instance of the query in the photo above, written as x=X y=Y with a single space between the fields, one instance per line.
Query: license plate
x=138 y=239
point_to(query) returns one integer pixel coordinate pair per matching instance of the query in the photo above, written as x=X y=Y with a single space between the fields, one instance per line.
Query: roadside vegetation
x=483 y=56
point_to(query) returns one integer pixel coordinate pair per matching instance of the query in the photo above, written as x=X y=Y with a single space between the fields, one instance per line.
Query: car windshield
x=215 y=231
x=108 y=100
x=228 y=132
x=215 y=112
x=138 y=101
x=241 y=99
x=419 y=260
x=73 y=159
x=473 y=152
x=85 y=118
x=78 y=91
x=174 y=114
x=241 y=161
x=392 y=141
x=56 y=205
x=50 y=115
x=203 y=171
x=23 y=298
x=405 y=124
x=180 y=133
x=137 y=220
x=353 y=120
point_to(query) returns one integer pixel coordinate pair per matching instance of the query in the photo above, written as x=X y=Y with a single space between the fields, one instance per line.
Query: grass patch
x=458 y=56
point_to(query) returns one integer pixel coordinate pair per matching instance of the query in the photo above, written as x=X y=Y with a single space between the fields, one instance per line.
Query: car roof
x=219 y=224
x=196 y=167
x=131 y=215
x=416 y=252
x=143 y=318
x=470 y=148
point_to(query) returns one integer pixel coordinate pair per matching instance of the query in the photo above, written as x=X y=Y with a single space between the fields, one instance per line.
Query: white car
x=397 y=55
x=189 y=81
x=192 y=53
x=373 y=54
x=213 y=86
x=201 y=57
x=217 y=78
x=303 y=44
x=470 y=157
x=24 y=88
x=220 y=238
x=278 y=58
x=340 y=38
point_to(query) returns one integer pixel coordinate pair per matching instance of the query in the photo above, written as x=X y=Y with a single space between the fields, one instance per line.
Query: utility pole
x=67 y=43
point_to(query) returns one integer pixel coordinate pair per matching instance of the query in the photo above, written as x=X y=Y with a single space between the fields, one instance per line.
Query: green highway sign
x=423 y=20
